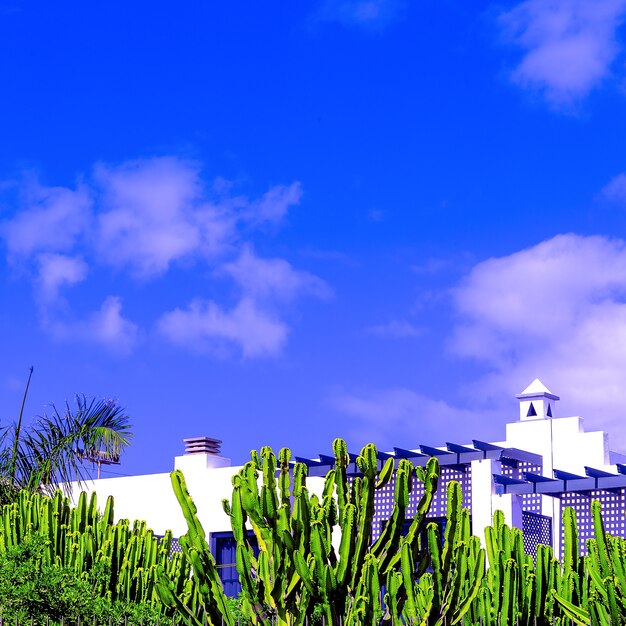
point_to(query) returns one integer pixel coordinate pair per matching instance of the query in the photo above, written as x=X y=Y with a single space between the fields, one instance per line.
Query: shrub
x=30 y=589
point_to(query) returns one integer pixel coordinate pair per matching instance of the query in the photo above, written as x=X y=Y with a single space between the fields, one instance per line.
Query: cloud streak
x=615 y=190
x=273 y=279
x=360 y=13
x=396 y=329
x=379 y=415
x=106 y=327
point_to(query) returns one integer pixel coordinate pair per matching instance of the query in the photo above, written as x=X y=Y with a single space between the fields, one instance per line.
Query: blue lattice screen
x=530 y=501
x=383 y=498
x=613 y=508
x=175 y=547
x=537 y=529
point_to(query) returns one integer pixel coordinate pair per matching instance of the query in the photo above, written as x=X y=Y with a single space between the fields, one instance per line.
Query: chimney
x=201 y=453
x=203 y=445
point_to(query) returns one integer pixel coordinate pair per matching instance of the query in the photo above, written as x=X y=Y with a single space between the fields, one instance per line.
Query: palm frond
x=54 y=448
x=8 y=487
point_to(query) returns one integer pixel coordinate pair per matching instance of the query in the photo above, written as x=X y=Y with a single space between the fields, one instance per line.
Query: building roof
x=536 y=389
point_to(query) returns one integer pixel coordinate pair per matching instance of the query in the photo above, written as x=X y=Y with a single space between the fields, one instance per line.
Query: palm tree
x=52 y=451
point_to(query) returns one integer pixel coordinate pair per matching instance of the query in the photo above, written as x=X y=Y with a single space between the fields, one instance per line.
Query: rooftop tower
x=536 y=402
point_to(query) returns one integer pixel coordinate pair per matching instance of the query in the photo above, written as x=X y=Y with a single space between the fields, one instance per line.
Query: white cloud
x=107 y=326
x=273 y=278
x=56 y=271
x=556 y=311
x=51 y=220
x=568 y=45
x=253 y=325
x=205 y=325
x=615 y=190
x=431 y=266
x=156 y=211
x=140 y=218
x=539 y=293
x=149 y=217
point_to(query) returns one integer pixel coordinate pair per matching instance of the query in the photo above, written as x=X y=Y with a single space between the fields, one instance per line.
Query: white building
x=545 y=462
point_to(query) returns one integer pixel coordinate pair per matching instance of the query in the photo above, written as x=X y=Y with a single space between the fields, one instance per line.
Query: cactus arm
x=594 y=570
x=434 y=548
x=530 y=589
x=601 y=539
x=392 y=529
x=393 y=597
x=245 y=569
x=425 y=596
x=617 y=557
x=187 y=505
x=340 y=477
x=430 y=481
x=368 y=464
x=451 y=600
x=284 y=481
x=541 y=576
x=407 y=578
x=429 y=476
x=570 y=552
x=508 y=594
x=318 y=547
x=303 y=571
x=265 y=579
x=346 y=546
x=476 y=581
x=386 y=473
x=373 y=587
x=576 y=613
x=614 y=609
x=269 y=499
x=171 y=600
x=452 y=526
x=598 y=613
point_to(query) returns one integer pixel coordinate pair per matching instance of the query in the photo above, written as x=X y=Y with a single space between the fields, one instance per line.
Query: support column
x=511 y=505
x=483 y=492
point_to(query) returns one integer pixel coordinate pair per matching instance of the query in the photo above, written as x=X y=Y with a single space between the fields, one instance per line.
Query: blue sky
x=278 y=223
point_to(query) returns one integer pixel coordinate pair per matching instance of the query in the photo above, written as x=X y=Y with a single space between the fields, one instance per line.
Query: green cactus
x=316 y=550
x=209 y=599
x=446 y=594
x=299 y=566
x=82 y=538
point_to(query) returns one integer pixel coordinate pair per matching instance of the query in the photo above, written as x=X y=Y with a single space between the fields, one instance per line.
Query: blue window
x=224 y=549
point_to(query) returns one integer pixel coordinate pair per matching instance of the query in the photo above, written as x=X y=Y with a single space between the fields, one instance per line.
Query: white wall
x=150 y=497
x=562 y=442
